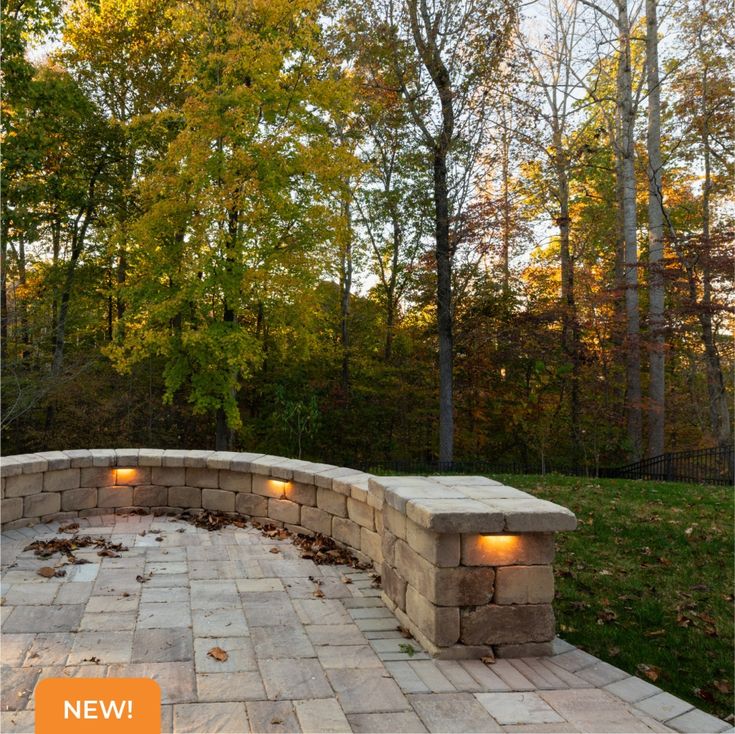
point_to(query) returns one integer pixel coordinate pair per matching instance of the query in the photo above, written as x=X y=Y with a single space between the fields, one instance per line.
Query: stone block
x=10 y=466
x=304 y=494
x=388 y=543
x=79 y=457
x=218 y=500
x=197 y=458
x=133 y=476
x=343 y=485
x=394 y=585
x=170 y=476
x=21 y=485
x=456 y=515
x=251 y=504
x=97 y=476
x=331 y=502
x=361 y=513
x=370 y=545
x=150 y=457
x=527 y=549
x=55 y=459
x=268 y=487
x=524 y=585
x=441 y=549
x=346 y=531
x=524 y=650
x=127 y=457
x=11 y=509
x=21 y=522
x=284 y=510
x=235 y=481
x=221 y=459
x=316 y=520
x=439 y=624
x=103 y=457
x=495 y=624
x=79 y=499
x=45 y=503
x=532 y=515
x=379 y=525
x=187 y=497
x=202 y=477
x=457 y=586
x=174 y=457
x=150 y=495
x=114 y=497
x=394 y=521
x=32 y=463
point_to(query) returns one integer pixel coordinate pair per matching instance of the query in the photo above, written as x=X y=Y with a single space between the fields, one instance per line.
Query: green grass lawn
x=646 y=580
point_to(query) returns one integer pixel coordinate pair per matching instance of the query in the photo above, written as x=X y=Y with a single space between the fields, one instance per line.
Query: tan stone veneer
x=465 y=561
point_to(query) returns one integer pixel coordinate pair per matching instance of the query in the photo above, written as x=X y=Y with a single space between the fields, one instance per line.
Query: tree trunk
x=625 y=148
x=505 y=254
x=391 y=305
x=570 y=326
x=718 y=408
x=656 y=288
x=444 y=307
x=345 y=292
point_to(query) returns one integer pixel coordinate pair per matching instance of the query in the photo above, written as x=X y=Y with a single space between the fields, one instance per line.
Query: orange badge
x=98 y=706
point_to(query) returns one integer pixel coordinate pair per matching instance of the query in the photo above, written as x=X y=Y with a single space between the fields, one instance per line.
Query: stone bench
x=465 y=562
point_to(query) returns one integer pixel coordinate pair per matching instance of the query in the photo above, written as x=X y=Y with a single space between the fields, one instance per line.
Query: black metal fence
x=701 y=466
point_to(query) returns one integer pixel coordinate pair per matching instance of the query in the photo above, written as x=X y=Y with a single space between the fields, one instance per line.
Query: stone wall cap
x=103 y=457
x=471 y=505
x=55 y=459
x=127 y=457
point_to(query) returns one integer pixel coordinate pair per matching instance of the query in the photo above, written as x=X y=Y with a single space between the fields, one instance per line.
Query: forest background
x=369 y=230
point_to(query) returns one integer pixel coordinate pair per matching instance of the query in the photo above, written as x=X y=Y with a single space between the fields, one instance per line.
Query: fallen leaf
x=404 y=632
x=723 y=686
x=46 y=571
x=143 y=579
x=276 y=721
x=159 y=539
x=655 y=633
x=346 y=580
x=651 y=672
x=488 y=659
x=108 y=553
x=274 y=550
x=318 y=593
x=71 y=527
x=218 y=654
x=93 y=659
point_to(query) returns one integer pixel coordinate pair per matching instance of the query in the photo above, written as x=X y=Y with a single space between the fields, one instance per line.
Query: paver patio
x=333 y=661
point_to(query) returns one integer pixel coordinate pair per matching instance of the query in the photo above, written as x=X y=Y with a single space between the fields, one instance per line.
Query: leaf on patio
x=318 y=593
x=274 y=550
x=71 y=527
x=346 y=580
x=93 y=659
x=46 y=571
x=106 y=553
x=488 y=659
x=652 y=672
x=218 y=654
x=143 y=579
x=404 y=632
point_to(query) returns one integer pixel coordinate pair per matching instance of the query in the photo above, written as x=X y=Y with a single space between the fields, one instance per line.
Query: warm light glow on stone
x=125 y=476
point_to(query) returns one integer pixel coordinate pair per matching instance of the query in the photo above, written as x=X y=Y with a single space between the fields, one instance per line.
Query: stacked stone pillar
x=467 y=564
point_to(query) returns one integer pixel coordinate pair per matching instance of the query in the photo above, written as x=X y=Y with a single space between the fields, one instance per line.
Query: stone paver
x=297 y=661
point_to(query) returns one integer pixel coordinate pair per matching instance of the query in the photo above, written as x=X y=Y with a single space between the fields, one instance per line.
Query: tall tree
x=240 y=209
x=656 y=290
x=442 y=57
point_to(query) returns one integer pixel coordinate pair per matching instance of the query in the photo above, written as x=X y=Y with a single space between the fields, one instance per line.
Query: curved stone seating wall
x=465 y=561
